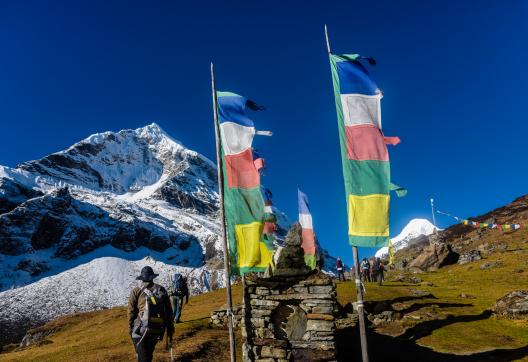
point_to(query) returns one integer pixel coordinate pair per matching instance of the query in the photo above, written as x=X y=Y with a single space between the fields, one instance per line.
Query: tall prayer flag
x=270 y=220
x=364 y=154
x=308 y=236
x=391 y=252
x=243 y=201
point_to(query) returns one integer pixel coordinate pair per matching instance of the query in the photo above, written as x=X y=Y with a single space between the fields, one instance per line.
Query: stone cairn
x=289 y=316
x=219 y=317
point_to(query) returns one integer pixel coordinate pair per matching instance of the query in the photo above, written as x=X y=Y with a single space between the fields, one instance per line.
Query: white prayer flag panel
x=306 y=221
x=236 y=138
x=361 y=109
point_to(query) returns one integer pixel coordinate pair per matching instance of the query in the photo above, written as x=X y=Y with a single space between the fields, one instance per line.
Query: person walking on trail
x=340 y=269
x=149 y=315
x=365 y=270
x=177 y=292
x=374 y=270
x=381 y=269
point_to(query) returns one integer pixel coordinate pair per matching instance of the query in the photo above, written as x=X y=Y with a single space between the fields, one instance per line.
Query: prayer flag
x=364 y=154
x=308 y=236
x=391 y=252
x=243 y=201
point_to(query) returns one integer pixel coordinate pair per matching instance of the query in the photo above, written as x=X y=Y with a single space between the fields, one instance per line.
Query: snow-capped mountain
x=76 y=226
x=128 y=195
x=414 y=229
x=129 y=189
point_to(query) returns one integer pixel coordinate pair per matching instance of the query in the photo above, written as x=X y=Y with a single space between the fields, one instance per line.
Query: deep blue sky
x=453 y=74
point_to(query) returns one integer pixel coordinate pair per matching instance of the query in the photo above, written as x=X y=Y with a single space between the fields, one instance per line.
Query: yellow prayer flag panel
x=251 y=251
x=368 y=215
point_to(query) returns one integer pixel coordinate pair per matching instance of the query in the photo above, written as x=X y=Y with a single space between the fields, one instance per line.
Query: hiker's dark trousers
x=380 y=278
x=366 y=275
x=176 y=302
x=341 y=274
x=145 y=348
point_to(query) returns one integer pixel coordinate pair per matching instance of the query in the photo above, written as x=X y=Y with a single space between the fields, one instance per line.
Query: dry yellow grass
x=459 y=326
x=471 y=334
x=103 y=336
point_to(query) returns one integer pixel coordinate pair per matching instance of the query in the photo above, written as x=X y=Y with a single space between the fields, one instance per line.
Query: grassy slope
x=471 y=330
x=445 y=323
x=102 y=336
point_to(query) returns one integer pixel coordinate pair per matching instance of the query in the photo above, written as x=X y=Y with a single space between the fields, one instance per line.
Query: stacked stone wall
x=289 y=318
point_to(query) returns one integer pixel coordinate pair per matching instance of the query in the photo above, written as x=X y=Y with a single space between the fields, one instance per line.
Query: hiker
x=381 y=269
x=365 y=270
x=177 y=292
x=149 y=315
x=340 y=269
x=373 y=270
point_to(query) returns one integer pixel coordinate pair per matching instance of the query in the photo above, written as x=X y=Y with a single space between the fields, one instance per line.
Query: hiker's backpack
x=179 y=285
x=154 y=317
x=375 y=267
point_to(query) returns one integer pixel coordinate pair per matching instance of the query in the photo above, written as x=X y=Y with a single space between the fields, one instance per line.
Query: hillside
x=443 y=316
x=439 y=315
x=440 y=326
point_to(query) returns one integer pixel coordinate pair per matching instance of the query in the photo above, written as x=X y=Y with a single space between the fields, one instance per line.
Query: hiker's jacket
x=339 y=264
x=179 y=289
x=136 y=305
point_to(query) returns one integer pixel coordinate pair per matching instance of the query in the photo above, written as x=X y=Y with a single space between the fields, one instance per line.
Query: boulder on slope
x=433 y=257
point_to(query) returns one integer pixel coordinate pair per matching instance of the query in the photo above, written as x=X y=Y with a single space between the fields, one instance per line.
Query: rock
x=322 y=317
x=466 y=296
x=401 y=278
x=37 y=336
x=377 y=321
x=34 y=268
x=433 y=257
x=417 y=317
x=323 y=310
x=401 y=264
x=469 y=257
x=320 y=325
x=518 y=270
x=421 y=293
x=290 y=261
x=513 y=305
x=501 y=247
x=350 y=321
x=387 y=314
x=490 y=264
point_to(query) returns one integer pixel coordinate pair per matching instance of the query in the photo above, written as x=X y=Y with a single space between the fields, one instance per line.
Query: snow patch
x=412 y=230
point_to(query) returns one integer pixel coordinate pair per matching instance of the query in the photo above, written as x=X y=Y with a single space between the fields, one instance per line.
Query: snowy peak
x=411 y=231
x=132 y=189
x=118 y=162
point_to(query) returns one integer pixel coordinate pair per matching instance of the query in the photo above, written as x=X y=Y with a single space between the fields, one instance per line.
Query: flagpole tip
x=327 y=40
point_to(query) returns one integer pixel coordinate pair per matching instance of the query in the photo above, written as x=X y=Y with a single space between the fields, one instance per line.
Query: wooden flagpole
x=222 y=220
x=359 y=289
x=433 y=213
